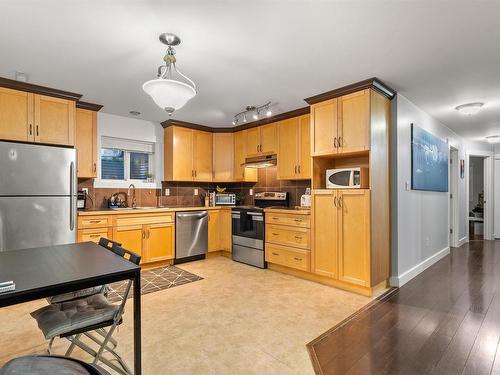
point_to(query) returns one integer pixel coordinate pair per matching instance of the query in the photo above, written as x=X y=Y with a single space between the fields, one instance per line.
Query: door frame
x=488 y=192
x=453 y=208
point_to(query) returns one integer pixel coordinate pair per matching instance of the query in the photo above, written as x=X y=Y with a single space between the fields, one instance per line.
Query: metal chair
x=65 y=297
x=50 y=365
x=92 y=316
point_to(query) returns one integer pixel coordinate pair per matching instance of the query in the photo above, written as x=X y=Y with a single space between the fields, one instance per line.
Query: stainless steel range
x=248 y=228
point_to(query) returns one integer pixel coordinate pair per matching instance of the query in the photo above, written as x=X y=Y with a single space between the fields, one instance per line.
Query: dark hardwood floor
x=444 y=321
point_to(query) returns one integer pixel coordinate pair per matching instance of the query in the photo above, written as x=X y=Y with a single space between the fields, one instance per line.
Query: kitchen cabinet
x=341 y=222
x=94 y=235
x=262 y=140
x=159 y=242
x=325 y=241
x=131 y=237
x=202 y=156
x=225 y=229
x=294 y=158
x=86 y=143
x=16 y=115
x=36 y=118
x=223 y=160
x=341 y=125
x=187 y=154
x=240 y=173
x=214 y=227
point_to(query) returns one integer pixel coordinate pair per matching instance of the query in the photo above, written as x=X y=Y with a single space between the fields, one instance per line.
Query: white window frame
x=110 y=183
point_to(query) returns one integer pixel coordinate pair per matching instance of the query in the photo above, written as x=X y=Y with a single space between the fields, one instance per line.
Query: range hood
x=260 y=161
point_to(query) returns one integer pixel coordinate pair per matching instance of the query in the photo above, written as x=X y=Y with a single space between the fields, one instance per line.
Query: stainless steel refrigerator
x=37 y=195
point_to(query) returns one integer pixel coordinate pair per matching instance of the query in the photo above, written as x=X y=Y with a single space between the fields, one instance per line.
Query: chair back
x=108 y=244
x=117 y=248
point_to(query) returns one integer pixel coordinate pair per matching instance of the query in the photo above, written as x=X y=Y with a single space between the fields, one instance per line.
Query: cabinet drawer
x=301 y=221
x=288 y=236
x=93 y=222
x=137 y=219
x=288 y=257
x=93 y=235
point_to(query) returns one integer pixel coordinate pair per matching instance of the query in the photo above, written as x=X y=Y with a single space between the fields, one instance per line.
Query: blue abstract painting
x=429 y=161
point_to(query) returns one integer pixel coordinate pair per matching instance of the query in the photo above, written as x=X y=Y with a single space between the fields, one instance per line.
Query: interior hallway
x=444 y=321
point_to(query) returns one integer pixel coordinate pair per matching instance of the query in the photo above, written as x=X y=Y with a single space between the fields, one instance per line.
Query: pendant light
x=167 y=91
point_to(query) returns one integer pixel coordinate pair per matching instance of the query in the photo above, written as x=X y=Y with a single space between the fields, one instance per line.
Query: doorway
x=479 y=197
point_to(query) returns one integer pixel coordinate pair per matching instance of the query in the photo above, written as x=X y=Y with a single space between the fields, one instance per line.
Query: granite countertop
x=144 y=210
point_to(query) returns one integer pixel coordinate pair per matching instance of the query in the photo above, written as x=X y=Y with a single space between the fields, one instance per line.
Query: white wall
x=420 y=220
x=135 y=129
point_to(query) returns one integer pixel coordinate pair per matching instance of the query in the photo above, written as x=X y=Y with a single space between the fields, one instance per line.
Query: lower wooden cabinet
x=160 y=242
x=288 y=256
x=94 y=235
x=341 y=221
x=219 y=230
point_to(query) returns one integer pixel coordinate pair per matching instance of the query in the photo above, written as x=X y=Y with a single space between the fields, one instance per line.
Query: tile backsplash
x=182 y=193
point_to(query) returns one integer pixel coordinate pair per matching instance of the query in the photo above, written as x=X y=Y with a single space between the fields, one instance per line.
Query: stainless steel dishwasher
x=191 y=236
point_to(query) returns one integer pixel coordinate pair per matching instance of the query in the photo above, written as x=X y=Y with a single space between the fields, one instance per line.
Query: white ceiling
x=439 y=54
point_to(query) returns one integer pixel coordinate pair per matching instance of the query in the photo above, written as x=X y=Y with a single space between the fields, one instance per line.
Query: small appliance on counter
x=347 y=178
x=305 y=199
x=81 y=200
x=248 y=228
x=225 y=199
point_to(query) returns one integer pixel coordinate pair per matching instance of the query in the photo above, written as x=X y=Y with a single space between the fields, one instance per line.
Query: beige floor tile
x=237 y=320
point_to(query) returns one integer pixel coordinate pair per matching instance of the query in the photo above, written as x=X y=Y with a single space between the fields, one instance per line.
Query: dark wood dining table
x=47 y=271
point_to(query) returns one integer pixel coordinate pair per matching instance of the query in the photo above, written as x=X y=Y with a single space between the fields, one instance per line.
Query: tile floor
x=237 y=320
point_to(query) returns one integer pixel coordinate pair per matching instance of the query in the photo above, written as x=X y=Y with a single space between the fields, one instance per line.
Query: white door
x=488 y=198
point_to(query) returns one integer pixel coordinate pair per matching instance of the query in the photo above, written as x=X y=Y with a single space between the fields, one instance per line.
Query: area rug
x=154 y=280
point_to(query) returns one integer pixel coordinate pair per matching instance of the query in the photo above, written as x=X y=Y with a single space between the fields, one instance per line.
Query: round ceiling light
x=135 y=113
x=469 y=108
x=493 y=138
x=169 y=93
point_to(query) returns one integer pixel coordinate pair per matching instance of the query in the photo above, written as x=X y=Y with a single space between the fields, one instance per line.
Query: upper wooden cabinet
x=294 y=158
x=54 y=120
x=188 y=154
x=16 y=115
x=202 y=156
x=223 y=163
x=36 y=118
x=262 y=140
x=240 y=173
x=341 y=125
x=86 y=143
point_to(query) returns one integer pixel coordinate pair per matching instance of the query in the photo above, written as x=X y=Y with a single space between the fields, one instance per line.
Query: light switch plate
x=195 y=191
x=86 y=191
x=167 y=192
x=407 y=185
x=250 y=192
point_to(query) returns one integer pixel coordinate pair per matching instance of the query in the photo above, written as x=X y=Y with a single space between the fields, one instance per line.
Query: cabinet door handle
x=37 y=130
x=298 y=237
x=31 y=129
x=340 y=202
x=298 y=168
x=275 y=254
x=94 y=221
x=295 y=170
x=335 y=142
x=143 y=235
x=148 y=233
x=298 y=220
x=341 y=142
x=275 y=234
x=335 y=201
x=299 y=259
x=95 y=168
x=94 y=235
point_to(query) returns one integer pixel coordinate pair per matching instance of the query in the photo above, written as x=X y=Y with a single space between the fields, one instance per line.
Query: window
x=126 y=160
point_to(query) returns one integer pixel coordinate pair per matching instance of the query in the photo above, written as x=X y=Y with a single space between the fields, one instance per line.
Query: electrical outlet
x=167 y=192
x=250 y=192
x=195 y=192
x=407 y=185
x=86 y=191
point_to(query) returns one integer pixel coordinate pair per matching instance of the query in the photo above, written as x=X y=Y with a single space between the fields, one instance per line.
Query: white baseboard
x=462 y=241
x=402 y=279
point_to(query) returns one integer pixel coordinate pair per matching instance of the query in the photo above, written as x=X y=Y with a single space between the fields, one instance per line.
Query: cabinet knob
x=335 y=142
x=298 y=237
x=37 y=130
x=298 y=168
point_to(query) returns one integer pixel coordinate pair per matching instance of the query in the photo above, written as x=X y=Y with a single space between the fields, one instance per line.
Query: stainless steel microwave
x=347 y=178
x=225 y=199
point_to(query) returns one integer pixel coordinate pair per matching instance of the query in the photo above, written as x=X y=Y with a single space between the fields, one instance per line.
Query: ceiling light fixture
x=135 y=113
x=493 y=138
x=469 y=108
x=254 y=110
x=169 y=93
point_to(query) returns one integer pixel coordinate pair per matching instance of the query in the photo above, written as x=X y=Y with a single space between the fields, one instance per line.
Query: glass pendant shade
x=169 y=94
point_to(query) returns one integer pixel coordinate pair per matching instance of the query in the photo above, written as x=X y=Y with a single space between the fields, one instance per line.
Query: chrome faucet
x=134 y=202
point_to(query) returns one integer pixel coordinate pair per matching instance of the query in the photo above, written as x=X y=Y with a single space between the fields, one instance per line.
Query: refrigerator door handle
x=72 y=196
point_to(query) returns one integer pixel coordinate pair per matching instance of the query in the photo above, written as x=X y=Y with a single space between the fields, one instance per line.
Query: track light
x=268 y=112
x=256 y=115
x=255 y=111
x=244 y=117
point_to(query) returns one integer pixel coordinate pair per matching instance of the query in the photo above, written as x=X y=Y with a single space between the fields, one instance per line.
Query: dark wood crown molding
x=36 y=89
x=89 y=106
x=249 y=125
x=371 y=83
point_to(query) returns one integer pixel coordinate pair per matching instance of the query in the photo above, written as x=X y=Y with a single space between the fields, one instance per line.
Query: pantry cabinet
x=341 y=222
x=36 y=118
x=86 y=143
x=341 y=125
x=294 y=157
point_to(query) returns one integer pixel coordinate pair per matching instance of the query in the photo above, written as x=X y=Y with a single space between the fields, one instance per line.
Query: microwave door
x=340 y=179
